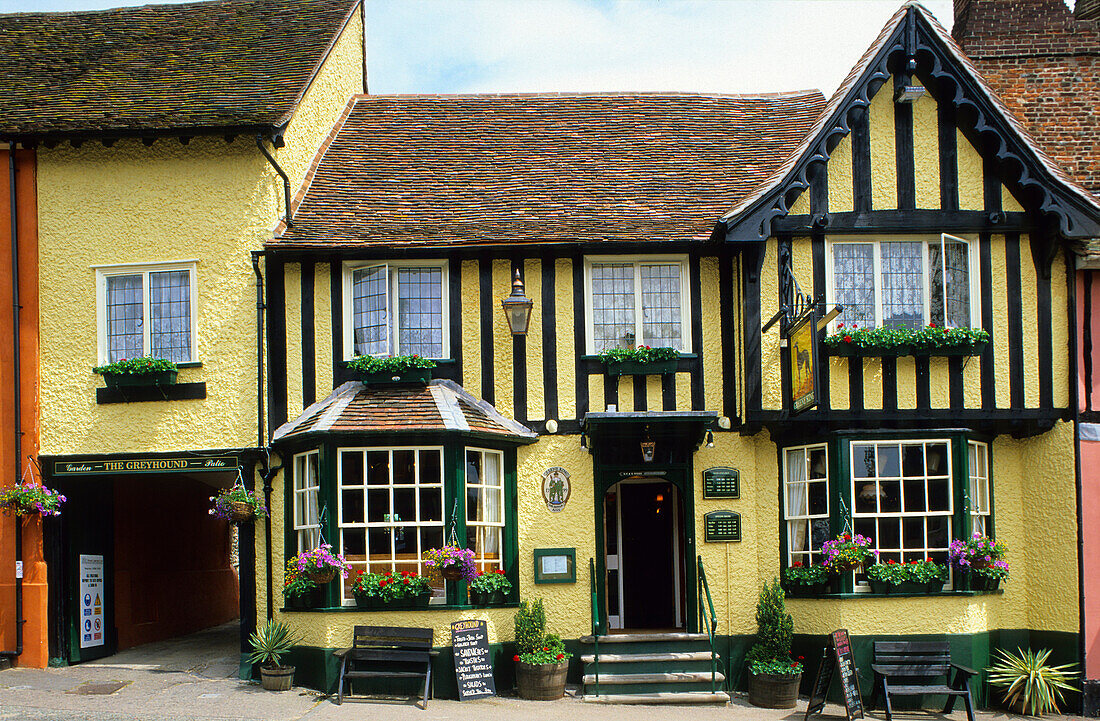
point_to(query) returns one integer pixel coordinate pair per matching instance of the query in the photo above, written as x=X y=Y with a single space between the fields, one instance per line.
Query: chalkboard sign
x=722 y=526
x=837 y=657
x=721 y=483
x=473 y=666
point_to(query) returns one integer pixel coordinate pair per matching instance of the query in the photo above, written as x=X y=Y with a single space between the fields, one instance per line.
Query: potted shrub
x=642 y=360
x=846 y=552
x=489 y=588
x=382 y=591
x=28 y=497
x=913 y=577
x=451 y=563
x=138 y=372
x=980 y=561
x=392 y=369
x=541 y=658
x=773 y=675
x=799 y=580
x=238 y=504
x=269 y=643
x=1030 y=686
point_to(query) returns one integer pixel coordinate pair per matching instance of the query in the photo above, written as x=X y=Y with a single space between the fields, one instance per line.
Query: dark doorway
x=649 y=555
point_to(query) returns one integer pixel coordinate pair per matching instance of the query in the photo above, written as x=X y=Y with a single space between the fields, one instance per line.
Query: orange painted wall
x=172 y=572
x=35 y=646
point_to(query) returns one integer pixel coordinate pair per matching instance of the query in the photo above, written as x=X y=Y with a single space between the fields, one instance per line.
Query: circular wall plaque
x=555 y=488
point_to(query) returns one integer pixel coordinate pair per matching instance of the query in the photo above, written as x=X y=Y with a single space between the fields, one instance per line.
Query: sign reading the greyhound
x=555 y=488
x=144 y=465
x=802 y=346
x=92 y=603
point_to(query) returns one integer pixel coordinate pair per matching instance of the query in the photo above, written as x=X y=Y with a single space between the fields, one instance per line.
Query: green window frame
x=969 y=461
x=454 y=492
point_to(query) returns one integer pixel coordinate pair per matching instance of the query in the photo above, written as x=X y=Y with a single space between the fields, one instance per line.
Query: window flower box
x=129 y=372
x=905 y=587
x=307 y=599
x=891 y=342
x=969 y=349
x=854 y=351
x=408 y=369
x=640 y=361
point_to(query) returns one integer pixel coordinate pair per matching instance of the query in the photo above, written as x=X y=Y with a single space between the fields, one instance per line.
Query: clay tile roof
x=501 y=169
x=442 y=405
x=220 y=64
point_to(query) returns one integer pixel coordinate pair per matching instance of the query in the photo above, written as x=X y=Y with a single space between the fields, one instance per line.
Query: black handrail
x=709 y=622
x=595 y=623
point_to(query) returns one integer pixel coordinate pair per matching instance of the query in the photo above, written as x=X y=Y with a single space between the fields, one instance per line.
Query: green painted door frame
x=679 y=475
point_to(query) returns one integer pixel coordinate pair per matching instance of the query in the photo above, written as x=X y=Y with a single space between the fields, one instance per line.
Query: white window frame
x=366 y=524
x=102 y=272
x=976 y=495
x=638 y=262
x=297 y=493
x=349 y=269
x=502 y=524
x=925 y=240
x=853 y=481
x=810 y=517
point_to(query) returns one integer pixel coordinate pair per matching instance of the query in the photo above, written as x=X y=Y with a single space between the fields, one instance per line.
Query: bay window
x=904 y=282
x=911 y=493
x=636 y=302
x=396 y=308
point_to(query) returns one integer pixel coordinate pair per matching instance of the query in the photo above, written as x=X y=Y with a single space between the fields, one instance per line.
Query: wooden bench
x=387 y=652
x=915 y=668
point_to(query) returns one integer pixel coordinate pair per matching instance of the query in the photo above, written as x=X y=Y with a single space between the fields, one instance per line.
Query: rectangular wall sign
x=721 y=483
x=473 y=665
x=93 y=602
x=722 y=526
x=555 y=565
x=144 y=465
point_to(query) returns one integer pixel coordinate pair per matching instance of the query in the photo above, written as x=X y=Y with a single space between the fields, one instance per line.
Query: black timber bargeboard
x=909 y=221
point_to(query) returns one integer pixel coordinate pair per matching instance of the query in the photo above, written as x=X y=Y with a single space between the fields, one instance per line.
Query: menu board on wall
x=473 y=666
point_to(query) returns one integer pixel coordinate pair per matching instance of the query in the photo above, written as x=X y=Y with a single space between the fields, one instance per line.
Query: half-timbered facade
x=708 y=224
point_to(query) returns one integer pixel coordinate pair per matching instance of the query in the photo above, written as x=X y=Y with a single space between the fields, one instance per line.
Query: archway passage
x=644 y=542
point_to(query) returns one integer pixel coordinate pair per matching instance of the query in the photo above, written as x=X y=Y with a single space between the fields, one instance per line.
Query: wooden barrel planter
x=279 y=678
x=768 y=690
x=542 y=681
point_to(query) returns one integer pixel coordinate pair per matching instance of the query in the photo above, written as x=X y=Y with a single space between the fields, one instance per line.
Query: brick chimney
x=1084 y=10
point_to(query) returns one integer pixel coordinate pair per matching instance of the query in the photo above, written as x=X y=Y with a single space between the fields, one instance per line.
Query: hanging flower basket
x=313 y=568
x=238 y=504
x=450 y=563
x=322 y=575
x=27 y=498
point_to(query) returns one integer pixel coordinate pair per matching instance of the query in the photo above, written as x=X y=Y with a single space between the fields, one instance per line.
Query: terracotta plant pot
x=278 y=678
x=768 y=690
x=541 y=682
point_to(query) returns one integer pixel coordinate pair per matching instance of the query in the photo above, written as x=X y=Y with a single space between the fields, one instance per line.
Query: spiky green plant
x=1028 y=682
x=270 y=642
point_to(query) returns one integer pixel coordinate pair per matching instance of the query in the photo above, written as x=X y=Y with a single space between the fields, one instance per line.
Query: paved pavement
x=195 y=677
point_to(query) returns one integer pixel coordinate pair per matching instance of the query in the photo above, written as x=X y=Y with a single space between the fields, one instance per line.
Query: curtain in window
x=420 y=311
x=371 y=312
x=661 y=305
x=125 y=334
x=797 y=501
x=613 y=306
x=306 y=511
x=489 y=508
x=170 y=315
x=902 y=284
x=949 y=283
x=854 y=280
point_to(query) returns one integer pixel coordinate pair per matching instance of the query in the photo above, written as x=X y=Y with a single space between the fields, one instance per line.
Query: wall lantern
x=909 y=94
x=517 y=308
x=648 y=447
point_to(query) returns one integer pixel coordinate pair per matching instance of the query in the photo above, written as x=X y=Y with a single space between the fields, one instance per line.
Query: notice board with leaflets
x=837 y=658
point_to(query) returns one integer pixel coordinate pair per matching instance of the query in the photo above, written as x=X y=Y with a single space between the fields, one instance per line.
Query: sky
x=713 y=46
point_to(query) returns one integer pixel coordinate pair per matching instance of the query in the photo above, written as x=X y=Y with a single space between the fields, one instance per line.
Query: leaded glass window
x=637 y=303
x=147 y=312
x=398 y=310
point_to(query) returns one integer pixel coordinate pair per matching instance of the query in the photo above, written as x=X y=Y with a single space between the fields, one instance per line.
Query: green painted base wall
x=317 y=668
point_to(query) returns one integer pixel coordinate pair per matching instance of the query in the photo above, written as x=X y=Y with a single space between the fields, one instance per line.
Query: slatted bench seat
x=915 y=668
x=387 y=652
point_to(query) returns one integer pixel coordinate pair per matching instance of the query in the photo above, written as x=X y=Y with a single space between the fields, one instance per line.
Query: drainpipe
x=261 y=436
x=19 y=620
x=282 y=174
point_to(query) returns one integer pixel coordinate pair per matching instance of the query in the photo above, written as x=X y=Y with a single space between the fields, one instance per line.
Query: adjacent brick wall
x=1045 y=65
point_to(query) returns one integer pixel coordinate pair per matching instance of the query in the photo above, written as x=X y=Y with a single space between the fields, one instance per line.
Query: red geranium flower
x=560 y=656
x=847 y=339
x=516 y=657
x=796 y=564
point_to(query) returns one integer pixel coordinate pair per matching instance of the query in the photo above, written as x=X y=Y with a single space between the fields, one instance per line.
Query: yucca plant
x=1029 y=683
x=270 y=642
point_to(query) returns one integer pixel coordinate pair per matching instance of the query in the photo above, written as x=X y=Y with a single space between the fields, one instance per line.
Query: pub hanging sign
x=803 y=389
x=101 y=467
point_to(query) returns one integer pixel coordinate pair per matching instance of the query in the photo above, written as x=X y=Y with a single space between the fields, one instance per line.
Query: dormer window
x=907 y=282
